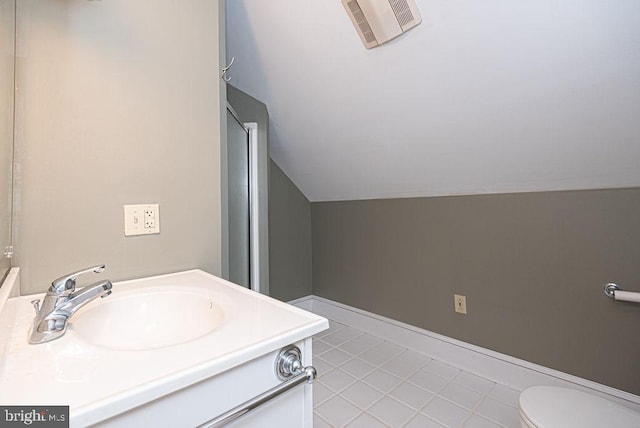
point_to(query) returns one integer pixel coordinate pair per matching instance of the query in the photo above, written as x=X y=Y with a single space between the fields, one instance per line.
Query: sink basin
x=148 y=318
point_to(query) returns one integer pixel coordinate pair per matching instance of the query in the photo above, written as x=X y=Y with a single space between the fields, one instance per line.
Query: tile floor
x=367 y=382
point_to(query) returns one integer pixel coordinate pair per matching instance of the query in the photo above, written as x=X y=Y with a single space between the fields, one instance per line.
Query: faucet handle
x=36 y=305
x=68 y=282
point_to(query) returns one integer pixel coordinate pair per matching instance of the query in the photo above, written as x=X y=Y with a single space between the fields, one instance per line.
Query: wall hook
x=225 y=69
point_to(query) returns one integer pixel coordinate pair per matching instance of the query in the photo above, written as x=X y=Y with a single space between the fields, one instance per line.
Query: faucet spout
x=85 y=295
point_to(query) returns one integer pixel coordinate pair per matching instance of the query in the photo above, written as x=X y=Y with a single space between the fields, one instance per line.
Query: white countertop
x=98 y=382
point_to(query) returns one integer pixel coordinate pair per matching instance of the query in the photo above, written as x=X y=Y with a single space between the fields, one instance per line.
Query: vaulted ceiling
x=483 y=97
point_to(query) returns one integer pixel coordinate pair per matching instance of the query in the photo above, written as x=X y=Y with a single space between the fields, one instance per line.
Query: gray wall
x=116 y=108
x=289 y=238
x=532 y=266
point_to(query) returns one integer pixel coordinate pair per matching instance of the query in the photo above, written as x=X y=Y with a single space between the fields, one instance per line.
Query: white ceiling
x=484 y=96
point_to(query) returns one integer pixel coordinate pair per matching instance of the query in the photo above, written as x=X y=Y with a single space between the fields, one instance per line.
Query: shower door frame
x=255 y=208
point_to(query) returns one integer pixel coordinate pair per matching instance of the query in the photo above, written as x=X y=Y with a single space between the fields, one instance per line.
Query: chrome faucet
x=61 y=302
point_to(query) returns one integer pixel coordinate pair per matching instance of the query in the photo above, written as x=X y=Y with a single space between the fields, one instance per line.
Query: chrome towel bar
x=612 y=290
x=288 y=366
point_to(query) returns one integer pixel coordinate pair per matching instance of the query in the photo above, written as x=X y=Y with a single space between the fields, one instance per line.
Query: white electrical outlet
x=460 y=303
x=141 y=219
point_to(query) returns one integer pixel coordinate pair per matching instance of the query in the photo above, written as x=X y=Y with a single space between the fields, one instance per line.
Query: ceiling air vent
x=378 y=21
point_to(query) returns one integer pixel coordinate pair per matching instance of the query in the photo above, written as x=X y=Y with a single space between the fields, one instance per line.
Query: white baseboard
x=501 y=368
x=305 y=303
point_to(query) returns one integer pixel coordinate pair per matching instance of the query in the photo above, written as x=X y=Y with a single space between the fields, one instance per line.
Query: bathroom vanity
x=171 y=350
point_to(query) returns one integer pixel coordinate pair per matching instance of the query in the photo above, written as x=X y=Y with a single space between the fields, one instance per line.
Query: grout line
x=490 y=418
x=323 y=419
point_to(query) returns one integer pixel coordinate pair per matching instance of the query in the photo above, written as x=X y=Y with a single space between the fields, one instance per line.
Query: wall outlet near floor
x=141 y=219
x=460 y=303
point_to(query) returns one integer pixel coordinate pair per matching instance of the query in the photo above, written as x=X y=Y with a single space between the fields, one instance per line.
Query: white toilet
x=554 y=407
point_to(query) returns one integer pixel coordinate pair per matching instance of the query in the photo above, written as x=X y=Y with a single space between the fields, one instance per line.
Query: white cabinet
x=212 y=397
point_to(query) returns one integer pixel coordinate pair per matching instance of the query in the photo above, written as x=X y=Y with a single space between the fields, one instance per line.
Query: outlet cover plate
x=460 y=303
x=143 y=219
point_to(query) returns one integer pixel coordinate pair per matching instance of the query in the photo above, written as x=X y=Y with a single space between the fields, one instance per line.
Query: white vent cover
x=378 y=21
